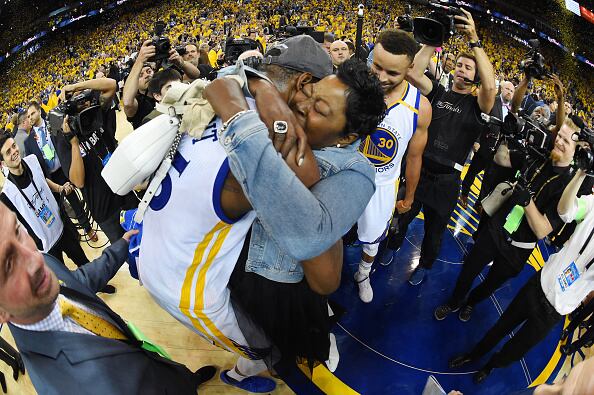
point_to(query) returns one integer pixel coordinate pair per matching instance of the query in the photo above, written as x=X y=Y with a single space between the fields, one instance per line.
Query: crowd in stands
x=333 y=136
x=77 y=57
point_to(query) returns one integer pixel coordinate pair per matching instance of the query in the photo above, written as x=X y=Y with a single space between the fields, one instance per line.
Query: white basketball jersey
x=189 y=247
x=386 y=146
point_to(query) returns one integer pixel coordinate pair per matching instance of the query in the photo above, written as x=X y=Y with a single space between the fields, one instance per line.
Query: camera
x=289 y=31
x=83 y=119
x=583 y=157
x=523 y=128
x=534 y=66
x=435 y=28
x=405 y=22
x=181 y=50
x=161 y=43
x=236 y=46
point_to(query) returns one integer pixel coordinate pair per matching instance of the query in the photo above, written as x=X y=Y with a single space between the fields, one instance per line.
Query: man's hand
x=175 y=58
x=521 y=195
x=66 y=89
x=466 y=25
x=65 y=127
x=146 y=52
x=559 y=90
x=476 y=147
x=67 y=188
x=403 y=206
x=128 y=235
x=272 y=108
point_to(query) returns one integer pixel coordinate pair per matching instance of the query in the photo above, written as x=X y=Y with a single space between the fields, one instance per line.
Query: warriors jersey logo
x=380 y=147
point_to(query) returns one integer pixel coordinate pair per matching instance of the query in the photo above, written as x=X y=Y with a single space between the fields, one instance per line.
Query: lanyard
x=584 y=247
x=28 y=172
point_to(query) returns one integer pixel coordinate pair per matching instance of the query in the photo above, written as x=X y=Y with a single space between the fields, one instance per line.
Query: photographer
x=137 y=103
x=557 y=290
x=30 y=195
x=455 y=126
x=541 y=113
x=84 y=153
x=510 y=235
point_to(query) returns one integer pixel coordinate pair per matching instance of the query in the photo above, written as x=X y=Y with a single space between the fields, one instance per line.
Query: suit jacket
x=63 y=363
x=31 y=147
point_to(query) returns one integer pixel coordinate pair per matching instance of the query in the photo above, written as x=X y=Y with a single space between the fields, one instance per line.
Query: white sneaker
x=333 y=355
x=365 y=290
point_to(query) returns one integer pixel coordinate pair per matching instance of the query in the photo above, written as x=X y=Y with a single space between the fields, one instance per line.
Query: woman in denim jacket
x=294 y=256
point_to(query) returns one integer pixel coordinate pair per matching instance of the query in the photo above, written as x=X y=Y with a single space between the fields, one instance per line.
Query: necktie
x=89 y=321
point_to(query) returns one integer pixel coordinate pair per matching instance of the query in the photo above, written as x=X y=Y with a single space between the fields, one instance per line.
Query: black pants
x=69 y=245
x=111 y=227
x=530 y=307
x=484 y=251
x=59 y=178
x=437 y=196
x=480 y=162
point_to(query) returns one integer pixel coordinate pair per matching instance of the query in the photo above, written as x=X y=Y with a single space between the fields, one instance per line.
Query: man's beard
x=555 y=156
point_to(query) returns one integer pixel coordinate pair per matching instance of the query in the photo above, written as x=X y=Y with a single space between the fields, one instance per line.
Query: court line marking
x=398 y=362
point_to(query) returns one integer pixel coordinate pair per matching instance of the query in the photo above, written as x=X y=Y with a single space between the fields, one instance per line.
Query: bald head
x=339 y=52
x=507 y=91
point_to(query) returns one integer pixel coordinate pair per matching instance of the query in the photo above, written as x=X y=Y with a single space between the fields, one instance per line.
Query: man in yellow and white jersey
x=404 y=127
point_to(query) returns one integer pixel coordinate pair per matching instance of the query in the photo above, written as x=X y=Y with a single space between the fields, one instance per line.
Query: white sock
x=246 y=368
x=365 y=268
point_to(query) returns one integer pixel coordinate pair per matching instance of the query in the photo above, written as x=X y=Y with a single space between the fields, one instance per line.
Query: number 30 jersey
x=387 y=145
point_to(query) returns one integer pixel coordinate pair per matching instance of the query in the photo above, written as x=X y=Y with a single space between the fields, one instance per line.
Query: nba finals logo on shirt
x=380 y=148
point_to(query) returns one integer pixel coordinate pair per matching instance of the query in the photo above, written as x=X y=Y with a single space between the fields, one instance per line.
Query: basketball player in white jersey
x=405 y=126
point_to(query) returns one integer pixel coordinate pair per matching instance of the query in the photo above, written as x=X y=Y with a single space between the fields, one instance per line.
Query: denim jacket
x=294 y=223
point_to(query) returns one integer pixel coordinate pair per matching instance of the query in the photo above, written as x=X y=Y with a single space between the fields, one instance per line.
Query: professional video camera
x=534 y=66
x=584 y=158
x=160 y=42
x=84 y=115
x=435 y=28
x=535 y=138
x=236 y=46
x=288 y=31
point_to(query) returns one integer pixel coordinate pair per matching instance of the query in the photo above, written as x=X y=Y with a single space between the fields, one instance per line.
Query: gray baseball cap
x=301 y=53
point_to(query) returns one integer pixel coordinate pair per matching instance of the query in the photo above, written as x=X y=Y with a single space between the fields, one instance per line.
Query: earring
x=337 y=145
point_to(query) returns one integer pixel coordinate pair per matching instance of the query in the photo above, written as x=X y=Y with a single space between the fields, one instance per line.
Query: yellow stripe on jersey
x=405 y=104
x=200 y=287
x=402 y=98
x=184 y=303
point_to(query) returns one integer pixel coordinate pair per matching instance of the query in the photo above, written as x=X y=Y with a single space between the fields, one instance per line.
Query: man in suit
x=71 y=342
x=22 y=131
x=483 y=157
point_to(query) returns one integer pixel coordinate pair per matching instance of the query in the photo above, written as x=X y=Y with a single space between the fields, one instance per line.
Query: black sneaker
x=442 y=311
x=465 y=313
x=204 y=374
x=108 y=289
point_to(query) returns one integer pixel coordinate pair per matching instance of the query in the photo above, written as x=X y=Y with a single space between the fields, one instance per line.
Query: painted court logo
x=380 y=148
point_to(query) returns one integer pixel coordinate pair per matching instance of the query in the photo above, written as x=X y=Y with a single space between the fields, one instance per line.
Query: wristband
x=476 y=44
